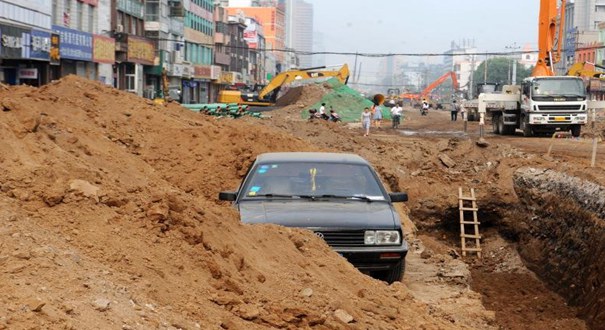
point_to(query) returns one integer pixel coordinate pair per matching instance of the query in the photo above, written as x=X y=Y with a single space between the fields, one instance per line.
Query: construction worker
x=455 y=110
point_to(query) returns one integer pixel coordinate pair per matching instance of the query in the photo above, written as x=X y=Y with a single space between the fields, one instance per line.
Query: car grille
x=342 y=238
x=565 y=107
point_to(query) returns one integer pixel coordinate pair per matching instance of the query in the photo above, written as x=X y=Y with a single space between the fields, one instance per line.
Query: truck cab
x=553 y=103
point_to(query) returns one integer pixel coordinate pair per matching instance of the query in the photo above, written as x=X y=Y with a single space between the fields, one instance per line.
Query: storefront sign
x=187 y=71
x=75 y=45
x=12 y=40
x=104 y=49
x=177 y=70
x=55 y=52
x=215 y=73
x=29 y=73
x=140 y=50
x=40 y=45
x=202 y=71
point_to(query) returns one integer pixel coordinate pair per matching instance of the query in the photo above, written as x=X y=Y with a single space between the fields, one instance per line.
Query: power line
x=300 y=52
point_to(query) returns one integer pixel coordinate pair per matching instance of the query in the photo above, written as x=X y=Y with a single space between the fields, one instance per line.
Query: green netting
x=347 y=102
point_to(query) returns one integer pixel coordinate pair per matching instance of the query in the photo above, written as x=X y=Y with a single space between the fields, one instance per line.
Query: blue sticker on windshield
x=264 y=166
x=262 y=171
x=255 y=189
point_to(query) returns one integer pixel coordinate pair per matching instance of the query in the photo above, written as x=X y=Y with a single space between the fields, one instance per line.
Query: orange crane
x=433 y=85
x=549 y=42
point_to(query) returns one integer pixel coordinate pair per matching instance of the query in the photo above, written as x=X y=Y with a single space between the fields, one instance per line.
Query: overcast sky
x=423 y=26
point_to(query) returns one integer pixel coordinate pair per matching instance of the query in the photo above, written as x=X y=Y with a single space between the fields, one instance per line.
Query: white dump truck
x=539 y=105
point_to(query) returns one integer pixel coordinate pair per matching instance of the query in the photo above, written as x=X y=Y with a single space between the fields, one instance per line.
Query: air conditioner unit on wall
x=119 y=28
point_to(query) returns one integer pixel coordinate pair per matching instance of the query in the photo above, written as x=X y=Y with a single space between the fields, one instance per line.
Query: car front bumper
x=374 y=258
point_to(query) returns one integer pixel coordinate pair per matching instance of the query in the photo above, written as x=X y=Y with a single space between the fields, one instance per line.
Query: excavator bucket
x=378 y=99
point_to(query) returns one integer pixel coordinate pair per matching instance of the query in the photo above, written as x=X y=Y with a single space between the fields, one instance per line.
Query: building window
x=80 y=13
x=66 y=13
x=91 y=19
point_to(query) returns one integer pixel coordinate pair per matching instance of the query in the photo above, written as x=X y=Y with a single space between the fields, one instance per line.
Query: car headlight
x=382 y=237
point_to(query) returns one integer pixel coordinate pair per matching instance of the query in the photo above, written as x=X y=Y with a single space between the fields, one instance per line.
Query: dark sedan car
x=338 y=196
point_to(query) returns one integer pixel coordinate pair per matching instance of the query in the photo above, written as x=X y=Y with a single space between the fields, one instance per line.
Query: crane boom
x=547 y=37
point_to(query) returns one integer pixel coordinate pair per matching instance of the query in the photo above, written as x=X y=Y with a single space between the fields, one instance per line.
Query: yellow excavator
x=260 y=95
x=586 y=70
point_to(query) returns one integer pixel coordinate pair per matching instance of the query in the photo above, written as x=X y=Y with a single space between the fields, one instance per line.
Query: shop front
x=199 y=86
x=24 y=56
x=104 y=54
x=76 y=52
x=133 y=53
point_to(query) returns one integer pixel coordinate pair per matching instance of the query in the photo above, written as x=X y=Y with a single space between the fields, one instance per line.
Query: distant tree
x=497 y=71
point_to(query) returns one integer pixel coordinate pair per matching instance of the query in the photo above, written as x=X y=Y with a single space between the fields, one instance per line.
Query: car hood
x=320 y=214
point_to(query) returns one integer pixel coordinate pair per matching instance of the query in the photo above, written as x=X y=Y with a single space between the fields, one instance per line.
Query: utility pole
x=355 y=67
x=471 y=90
x=512 y=79
x=485 y=70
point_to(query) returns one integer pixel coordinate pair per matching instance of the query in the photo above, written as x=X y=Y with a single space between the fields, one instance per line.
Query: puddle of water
x=410 y=133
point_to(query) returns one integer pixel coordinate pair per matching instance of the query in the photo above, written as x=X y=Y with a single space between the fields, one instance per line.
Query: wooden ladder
x=475 y=222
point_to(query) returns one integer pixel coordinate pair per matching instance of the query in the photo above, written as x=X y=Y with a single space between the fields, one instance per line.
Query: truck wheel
x=496 y=124
x=395 y=274
x=526 y=128
x=576 y=130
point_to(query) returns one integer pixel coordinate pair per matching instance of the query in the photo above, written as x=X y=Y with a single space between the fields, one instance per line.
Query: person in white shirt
x=396 y=113
x=322 y=111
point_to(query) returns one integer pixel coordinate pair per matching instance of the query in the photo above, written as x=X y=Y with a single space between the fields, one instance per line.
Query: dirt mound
x=109 y=218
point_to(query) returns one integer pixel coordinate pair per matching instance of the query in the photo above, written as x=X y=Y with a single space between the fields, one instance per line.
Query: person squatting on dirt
x=455 y=110
x=366 y=117
x=322 y=112
x=334 y=117
x=377 y=115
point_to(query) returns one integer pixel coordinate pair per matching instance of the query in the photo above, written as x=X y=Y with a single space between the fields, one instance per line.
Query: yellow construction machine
x=267 y=95
x=586 y=70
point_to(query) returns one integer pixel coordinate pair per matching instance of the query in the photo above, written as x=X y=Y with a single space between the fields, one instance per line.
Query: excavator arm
x=439 y=81
x=289 y=76
x=549 y=44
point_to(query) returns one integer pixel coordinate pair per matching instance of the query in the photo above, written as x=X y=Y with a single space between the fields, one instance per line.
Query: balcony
x=222 y=59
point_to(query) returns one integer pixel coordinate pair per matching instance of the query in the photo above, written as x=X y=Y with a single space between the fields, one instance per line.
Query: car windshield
x=558 y=87
x=312 y=180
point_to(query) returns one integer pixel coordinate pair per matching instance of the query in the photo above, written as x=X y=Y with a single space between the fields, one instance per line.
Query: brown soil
x=109 y=219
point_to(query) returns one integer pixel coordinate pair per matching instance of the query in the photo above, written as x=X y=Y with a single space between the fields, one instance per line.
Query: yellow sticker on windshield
x=313 y=173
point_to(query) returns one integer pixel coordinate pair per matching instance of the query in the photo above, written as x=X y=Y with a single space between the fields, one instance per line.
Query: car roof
x=313 y=157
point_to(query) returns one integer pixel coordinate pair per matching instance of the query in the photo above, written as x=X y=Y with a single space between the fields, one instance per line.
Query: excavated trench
x=558 y=230
x=564 y=239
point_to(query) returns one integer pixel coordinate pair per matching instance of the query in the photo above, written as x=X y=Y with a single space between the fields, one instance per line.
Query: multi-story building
x=254 y=37
x=299 y=29
x=199 y=44
x=164 y=26
x=238 y=50
x=134 y=51
x=273 y=21
x=461 y=60
x=26 y=44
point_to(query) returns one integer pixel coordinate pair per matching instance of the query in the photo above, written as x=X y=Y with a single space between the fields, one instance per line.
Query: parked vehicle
x=337 y=196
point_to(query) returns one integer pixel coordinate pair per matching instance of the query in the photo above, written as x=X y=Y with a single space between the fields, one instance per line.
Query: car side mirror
x=229 y=196
x=398 y=197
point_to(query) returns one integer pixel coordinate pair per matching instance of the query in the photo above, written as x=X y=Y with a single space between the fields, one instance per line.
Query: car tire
x=395 y=274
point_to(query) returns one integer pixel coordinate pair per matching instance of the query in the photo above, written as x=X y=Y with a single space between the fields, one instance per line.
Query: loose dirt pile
x=109 y=219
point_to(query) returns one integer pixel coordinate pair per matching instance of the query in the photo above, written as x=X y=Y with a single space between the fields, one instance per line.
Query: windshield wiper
x=362 y=197
x=272 y=195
